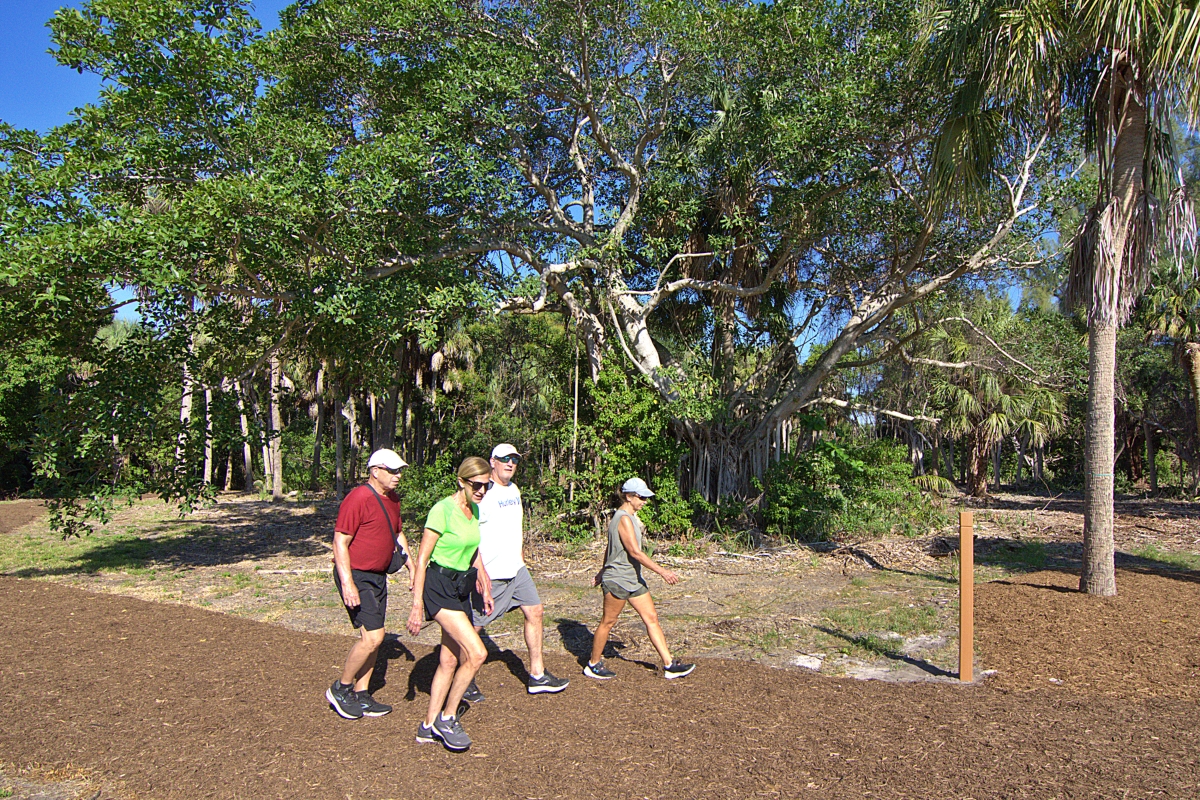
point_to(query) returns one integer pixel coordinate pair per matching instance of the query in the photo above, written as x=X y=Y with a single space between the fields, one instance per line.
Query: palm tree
x=1127 y=67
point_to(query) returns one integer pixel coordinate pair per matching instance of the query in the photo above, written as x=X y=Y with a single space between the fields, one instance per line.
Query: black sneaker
x=425 y=734
x=344 y=700
x=372 y=707
x=678 y=669
x=598 y=671
x=546 y=683
x=472 y=694
x=451 y=732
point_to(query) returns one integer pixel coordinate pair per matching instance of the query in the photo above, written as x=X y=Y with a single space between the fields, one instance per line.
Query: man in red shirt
x=366 y=535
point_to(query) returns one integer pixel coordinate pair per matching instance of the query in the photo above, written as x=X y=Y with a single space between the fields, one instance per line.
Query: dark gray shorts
x=372 y=595
x=622 y=593
x=507 y=596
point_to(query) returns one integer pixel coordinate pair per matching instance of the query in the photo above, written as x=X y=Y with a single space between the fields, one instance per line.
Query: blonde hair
x=472 y=466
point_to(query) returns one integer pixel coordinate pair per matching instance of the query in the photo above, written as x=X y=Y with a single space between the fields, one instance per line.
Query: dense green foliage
x=844 y=486
x=646 y=238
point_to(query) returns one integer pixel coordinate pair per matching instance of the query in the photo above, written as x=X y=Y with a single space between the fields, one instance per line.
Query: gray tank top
x=619 y=569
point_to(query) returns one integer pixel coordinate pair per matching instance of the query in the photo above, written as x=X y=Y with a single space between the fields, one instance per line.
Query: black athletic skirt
x=447 y=588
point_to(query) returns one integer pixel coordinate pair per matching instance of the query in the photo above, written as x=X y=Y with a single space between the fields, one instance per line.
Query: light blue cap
x=636 y=486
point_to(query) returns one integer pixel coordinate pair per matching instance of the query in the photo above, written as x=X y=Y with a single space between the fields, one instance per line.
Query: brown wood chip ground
x=167 y=701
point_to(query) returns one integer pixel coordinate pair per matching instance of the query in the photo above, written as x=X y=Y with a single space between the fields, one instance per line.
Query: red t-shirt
x=359 y=516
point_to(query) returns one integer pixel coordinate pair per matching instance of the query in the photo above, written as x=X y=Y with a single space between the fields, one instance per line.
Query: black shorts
x=372 y=597
x=447 y=589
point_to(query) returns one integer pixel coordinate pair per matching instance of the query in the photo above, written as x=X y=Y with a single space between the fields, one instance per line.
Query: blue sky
x=38 y=93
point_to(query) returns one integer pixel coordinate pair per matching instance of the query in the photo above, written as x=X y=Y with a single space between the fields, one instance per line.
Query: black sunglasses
x=511 y=459
x=389 y=470
x=479 y=486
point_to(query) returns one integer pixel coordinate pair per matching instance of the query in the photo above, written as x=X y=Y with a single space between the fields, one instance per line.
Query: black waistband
x=449 y=573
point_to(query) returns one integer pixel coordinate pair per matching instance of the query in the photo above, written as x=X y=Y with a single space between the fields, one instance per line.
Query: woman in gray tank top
x=622 y=581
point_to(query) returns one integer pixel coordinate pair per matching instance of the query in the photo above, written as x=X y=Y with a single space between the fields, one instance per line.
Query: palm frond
x=935 y=484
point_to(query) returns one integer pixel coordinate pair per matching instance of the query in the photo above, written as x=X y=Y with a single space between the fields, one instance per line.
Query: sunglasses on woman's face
x=479 y=486
x=513 y=459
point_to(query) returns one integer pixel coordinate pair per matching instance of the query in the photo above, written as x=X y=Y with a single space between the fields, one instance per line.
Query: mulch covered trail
x=167 y=701
x=17 y=513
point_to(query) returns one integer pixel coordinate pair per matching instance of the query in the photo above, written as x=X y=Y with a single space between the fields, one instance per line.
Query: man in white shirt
x=502 y=545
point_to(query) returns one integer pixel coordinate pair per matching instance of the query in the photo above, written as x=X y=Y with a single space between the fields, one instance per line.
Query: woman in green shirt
x=448 y=566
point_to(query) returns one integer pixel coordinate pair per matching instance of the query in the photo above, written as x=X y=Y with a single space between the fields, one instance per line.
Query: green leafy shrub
x=846 y=486
x=422 y=486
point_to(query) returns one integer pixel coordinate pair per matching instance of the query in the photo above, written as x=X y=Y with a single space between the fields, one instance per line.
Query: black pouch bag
x=399 y=557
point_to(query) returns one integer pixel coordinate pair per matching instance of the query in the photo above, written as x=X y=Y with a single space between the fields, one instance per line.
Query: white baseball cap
x=387 y=459
x=505 y=449
x=636 y=486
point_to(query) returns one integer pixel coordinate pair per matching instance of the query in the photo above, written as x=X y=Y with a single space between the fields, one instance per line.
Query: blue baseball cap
x=636 y=486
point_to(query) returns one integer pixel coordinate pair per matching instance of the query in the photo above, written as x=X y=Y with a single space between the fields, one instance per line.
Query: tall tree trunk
x=351 y=414
x=1099 y=571
x=185 y=421
x=339 y=447
x=208 y=435
x=997 y=462
x=1021 y=437
x=1191 y=359
x=383 y=414
x=575 y=422
x=247 y=451
x=276 y=431
x=373 y=411
x=977 y=469
x=264 y=438
x=315 y=482
x=228 y=485
x=1109 y=273
x=1151 y=455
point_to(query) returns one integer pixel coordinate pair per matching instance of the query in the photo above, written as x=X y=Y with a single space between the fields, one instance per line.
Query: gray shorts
x=506 y=595
x=623 y=592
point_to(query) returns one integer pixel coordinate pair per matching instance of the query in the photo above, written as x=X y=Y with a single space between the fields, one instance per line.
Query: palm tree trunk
x=977 y=467
x=1112 y=270
x=1099 y=572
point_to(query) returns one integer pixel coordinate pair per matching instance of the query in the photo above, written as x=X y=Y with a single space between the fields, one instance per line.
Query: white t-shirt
x=501 y=524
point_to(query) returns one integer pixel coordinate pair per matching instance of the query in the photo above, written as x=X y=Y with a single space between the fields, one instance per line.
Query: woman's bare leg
x=612 y=610
x=462 y=655
x=644 y=606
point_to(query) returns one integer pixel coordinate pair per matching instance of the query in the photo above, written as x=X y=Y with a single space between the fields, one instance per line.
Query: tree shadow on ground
x=247 y=530
x=1067 y=557
x=1072 y=503
x=870 y=643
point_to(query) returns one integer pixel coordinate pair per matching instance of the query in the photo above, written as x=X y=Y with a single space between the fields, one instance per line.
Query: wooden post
x=966 y=595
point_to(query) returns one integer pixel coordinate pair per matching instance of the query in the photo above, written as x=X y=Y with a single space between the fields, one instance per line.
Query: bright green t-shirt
x=455 y=548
